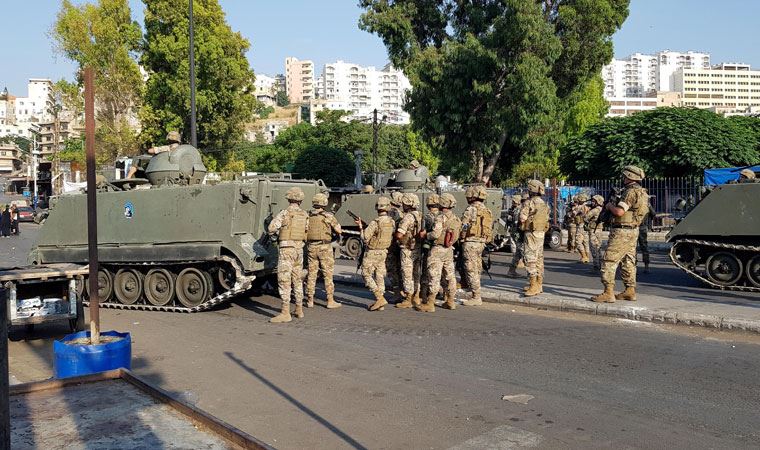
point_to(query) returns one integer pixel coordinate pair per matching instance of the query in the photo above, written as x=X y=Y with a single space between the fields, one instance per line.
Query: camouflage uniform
x=643 y=239
x=517 y=235
x=477 y=230
x=173 y=138
x=291 y=225
x=570 y=224
x=440 y=261
x=535 y=221
x=393 y=260
x=319 y=250
x=428 y=223
x=595 y=232
x=377 y=238
x=411 y=255
x=581 y=236
x=624 y=232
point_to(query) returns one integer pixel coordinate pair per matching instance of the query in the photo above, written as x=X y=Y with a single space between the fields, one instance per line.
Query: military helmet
x=411 y=200
x=525 y=196
x=748 y=174
x=319 y=199
x=433 y=200
x=447 y=201
x=481 y=192
x=598 y=199
x=368 y=189
x=173 y=136
x=633 y=173
x=516 y=198
x=294 y=194
x=382 y=204
x=414 y=164
x=536 y=187
x=396 y=198
x=582 y=198
x=469 y=192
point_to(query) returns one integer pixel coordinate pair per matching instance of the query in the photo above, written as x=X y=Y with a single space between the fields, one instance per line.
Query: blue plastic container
x=73 y=360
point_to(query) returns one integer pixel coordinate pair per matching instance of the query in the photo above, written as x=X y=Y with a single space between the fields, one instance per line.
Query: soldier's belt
x=625 y=227
x=319 y=242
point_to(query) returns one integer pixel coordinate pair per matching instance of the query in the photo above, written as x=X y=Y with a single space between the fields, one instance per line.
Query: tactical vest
x=482 y=226
x=578 y=216
x=295 y=227
x=637 y=211
x=539 y=220
x=319 y=229
x=383 y=237
x=451 y=224
x=409 y=238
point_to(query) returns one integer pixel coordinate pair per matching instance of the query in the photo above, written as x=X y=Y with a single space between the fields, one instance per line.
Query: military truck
x=718 y=241
x=165 y=240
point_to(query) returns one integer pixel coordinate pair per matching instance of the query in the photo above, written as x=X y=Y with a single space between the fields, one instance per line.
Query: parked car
x=25 y=214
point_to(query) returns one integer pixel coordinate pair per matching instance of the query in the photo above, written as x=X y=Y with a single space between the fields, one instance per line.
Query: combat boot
x=584 y=257
x=474 y=301
x=331 y=303
x=520 y=264
x=284 y=315
x=513 y=272
x=533 y=287
x=429 y=305
x=448 y=302
x=540 y=281
x=310 y=301
x=416 y=300
x=628 y=294
x=299 y=312
x=380 y=302
x=608 y=296
x=646 y=263
x=407 y=303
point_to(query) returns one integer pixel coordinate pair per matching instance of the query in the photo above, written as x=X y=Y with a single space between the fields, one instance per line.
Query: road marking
x=504 y=437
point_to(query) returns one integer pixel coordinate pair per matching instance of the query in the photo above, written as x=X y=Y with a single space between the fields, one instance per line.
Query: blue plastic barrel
x=73 y=360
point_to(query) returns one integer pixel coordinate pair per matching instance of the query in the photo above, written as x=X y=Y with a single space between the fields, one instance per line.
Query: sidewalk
x=724 y=311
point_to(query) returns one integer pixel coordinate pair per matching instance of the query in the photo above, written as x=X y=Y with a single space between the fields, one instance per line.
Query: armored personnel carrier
x=168 y=242
x=405 y=180
x=718 y=242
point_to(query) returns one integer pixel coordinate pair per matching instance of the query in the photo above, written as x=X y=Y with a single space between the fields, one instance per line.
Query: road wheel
x=159 y=287
x=724 y=268
x=554 y=239
x=226 y=276
x=105 y=285
x=352 y=248
x=128 y=286
x=192 y=287
x=753 y=271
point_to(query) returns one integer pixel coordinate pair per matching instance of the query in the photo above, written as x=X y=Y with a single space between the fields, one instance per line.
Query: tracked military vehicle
x=168 y=242
x=718 y=242
x=405 y=180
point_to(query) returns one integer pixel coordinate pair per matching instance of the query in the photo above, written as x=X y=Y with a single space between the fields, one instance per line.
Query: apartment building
x=10 y=161
x=728 y=88
x=640 y=74
x=18 y=115
x=625 y=106
x=52 y=134
x=266 y=89
x=299 y=80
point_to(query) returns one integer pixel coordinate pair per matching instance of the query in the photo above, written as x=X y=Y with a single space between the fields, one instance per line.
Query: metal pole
x=5 y=413
x=193 y=130
x=374 y=148
x=34 y=169
x=92 y=217
x=555 y=198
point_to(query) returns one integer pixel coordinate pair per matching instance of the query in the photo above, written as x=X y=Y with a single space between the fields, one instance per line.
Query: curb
x=638 y=313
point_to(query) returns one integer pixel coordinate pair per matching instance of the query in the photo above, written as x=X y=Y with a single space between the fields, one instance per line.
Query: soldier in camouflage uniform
x=517 y=237
x=477 y=231
x=173 y=138
x=581 y=233
x=319 y=250
x=377 y=238
x=569 y=222
x=595 y=231
x=408 y=238
x=291 y=226
x=627 y=215
x=534 y=221
x=643 y=240
x=440 y=261
x=393 y=263
x=428 y=222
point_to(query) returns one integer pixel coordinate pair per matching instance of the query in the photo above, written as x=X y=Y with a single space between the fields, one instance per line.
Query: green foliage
x=332 y=165
x=103 y=36
x=282 y=99
x=587 y=107
x=21 y=142
x=70 y=95
x=263 y=111
x=224 y=78
x=73 y=151
x=491 y=78
x=665 y=142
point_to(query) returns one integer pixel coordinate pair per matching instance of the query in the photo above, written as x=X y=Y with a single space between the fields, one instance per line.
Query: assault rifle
x=605 y=217
x=360 y=260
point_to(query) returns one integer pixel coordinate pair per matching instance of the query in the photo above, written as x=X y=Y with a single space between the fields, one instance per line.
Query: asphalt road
x=349 y=378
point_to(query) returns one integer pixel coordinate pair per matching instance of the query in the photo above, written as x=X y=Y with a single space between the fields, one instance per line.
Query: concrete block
x=625 y=312
x=580 y=306
x=702 y=320
x=731 y=323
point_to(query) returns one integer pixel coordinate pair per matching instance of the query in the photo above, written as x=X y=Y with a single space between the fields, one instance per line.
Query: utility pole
x=92 y=215
x=193 y=131
x=375 y=126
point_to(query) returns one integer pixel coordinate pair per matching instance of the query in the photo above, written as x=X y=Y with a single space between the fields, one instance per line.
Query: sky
x=326 y=30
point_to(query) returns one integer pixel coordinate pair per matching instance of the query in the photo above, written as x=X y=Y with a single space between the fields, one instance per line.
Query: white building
x=625 y=106
x=18 y=115
x=668 y=62
x=299 y=80
x=266 y=89
x=640 y=74
x=726 y=88
x=361 y=90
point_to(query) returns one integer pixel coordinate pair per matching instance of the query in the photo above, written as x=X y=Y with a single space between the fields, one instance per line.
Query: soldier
x=642 y=243
x=440 y=261
x=627 y=215
x=420 y=171
x=534 y=221
x=747 y=176
x=393 y=263
x=319 y=250
x=595 y=231
x=138 y=164
x=291 y=226
x=408 y=238
x=377 y=238
x=579 y=217
x=569 y=222
x=516 y=234
x=428 y=223
x=477 y=231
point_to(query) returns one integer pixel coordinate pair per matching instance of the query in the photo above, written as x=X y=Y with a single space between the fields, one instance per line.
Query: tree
x=331 y=165
x=224 y=79
x=665 y=142
x=103 y=36
x=282 y=99
x=489 y=78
